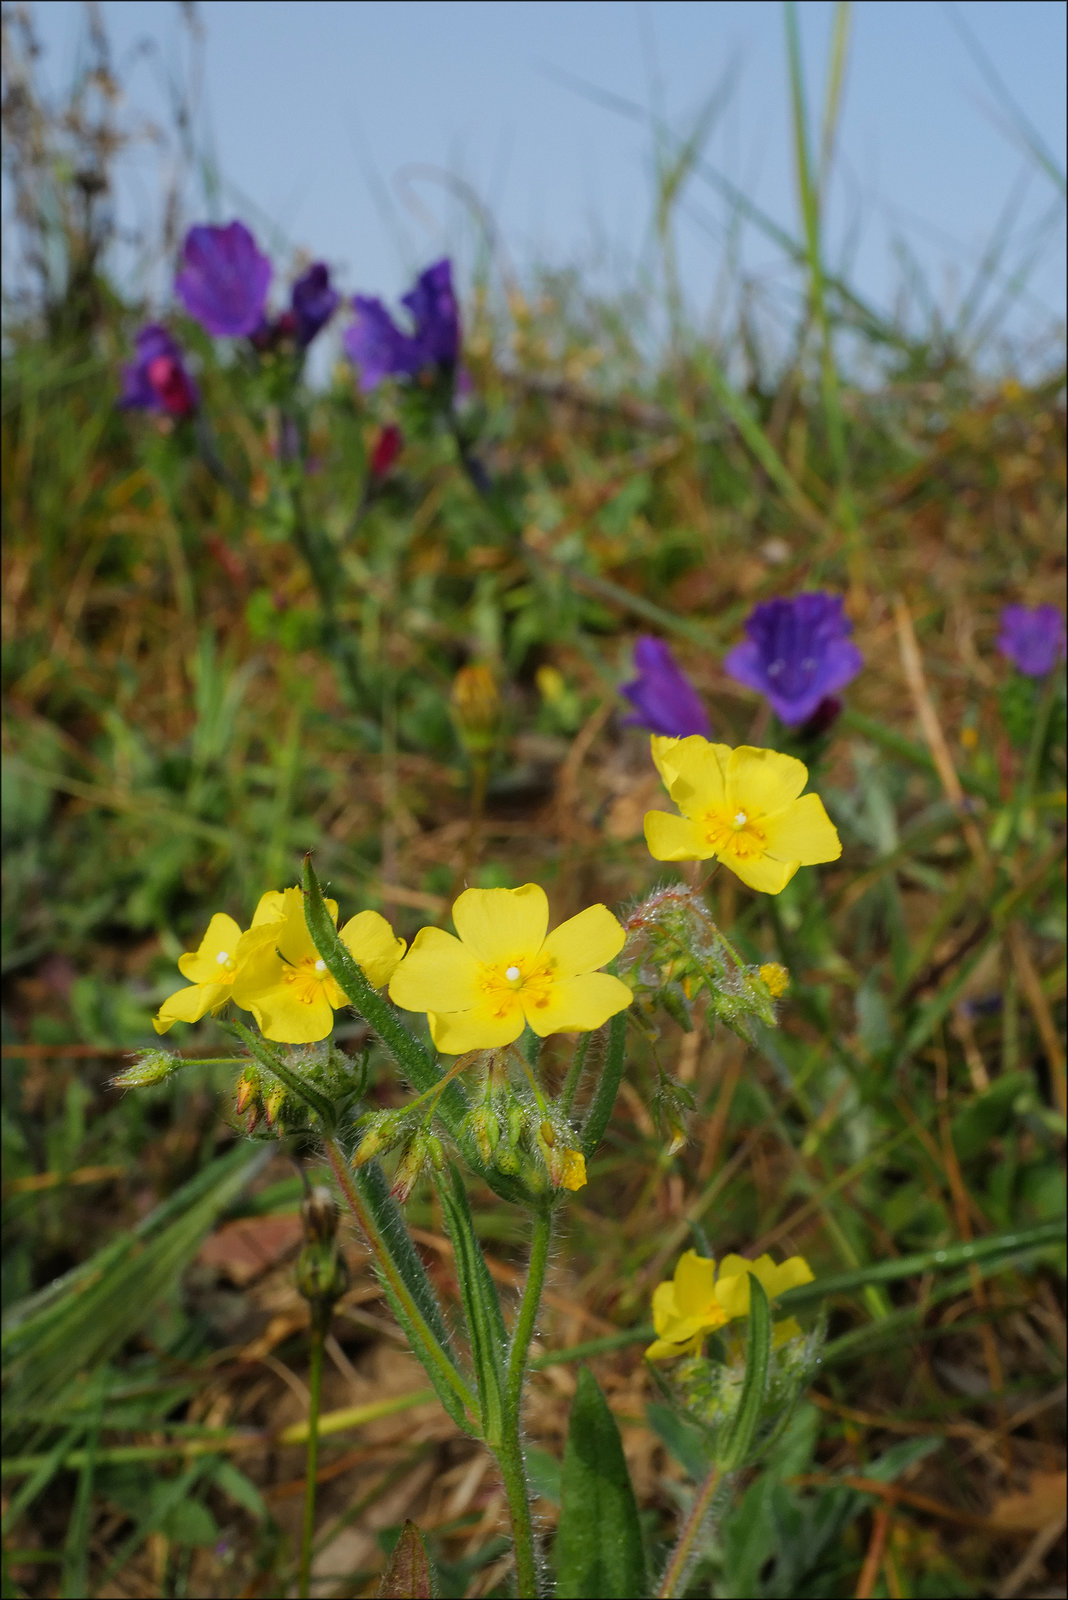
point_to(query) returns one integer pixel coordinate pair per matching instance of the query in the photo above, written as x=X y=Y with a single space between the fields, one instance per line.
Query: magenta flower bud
x=1032 y=638
x=224 y=279
x=665 y=700
x=313 y=301
x=798 y=652
x=156 y=379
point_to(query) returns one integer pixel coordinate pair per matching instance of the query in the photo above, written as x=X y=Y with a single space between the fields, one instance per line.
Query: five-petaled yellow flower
x=741 y=806
x=479 y=991
x=698 y=1300
x=285 y=982
x=214 y=968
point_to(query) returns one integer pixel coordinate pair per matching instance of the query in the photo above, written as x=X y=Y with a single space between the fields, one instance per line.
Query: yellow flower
x=285 y=982
x=505 y=970
x=574 y=1169
x=698 y=1300
x=742 y=806
x=775 y=978
x=214 y=968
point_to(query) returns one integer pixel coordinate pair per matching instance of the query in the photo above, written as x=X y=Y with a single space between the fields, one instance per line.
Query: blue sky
x=335 y=122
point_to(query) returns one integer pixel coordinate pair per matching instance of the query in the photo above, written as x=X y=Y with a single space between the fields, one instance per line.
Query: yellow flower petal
x=695 y=1284
x=271 y=907
x=761 y=781
x=584 y=943
x=294 y=941
x=204 y=965
x=782 y=1332
x=502 y=924
x=803 y=832
x=663 y=1350
x=671 y=838
x=787 y=1275
x=574 y=1005
x=574 y=1173
x=665 y=1311
x=373 y=945
x=761 y=872
x=693 y=771
x=292 y=1012
x=437 y=974
x=456 y=1032
x=189 y=1005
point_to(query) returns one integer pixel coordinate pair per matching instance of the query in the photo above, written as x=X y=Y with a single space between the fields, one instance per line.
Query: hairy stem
x=681 y=1556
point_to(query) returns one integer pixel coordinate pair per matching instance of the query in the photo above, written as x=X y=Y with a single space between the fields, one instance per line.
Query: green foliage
x=598 y=1549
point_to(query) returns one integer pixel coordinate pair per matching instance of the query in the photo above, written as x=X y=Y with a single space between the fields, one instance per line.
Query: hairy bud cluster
x=271 y=1110
x=709 y=1388
x=154 y=1066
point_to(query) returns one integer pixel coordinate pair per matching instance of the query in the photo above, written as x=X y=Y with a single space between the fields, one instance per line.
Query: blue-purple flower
x=313 y=301
x=798 y=652
x=224 y=280
x=1032 y=637
x=664 y=699
x=381 y=350
x=157 y=379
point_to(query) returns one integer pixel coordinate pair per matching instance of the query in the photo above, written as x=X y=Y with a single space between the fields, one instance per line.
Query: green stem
x=510 y=1454
x=385 y=1264
x=528 y=1310
x=680 y=1556
x=315 y=1386
x=574 y=1074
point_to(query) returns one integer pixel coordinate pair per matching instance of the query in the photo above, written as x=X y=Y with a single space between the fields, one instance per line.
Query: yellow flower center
x=306 y=979
x=734 y=832
x=502 y=983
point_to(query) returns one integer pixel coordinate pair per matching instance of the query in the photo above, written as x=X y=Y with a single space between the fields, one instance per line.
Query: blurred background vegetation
x=187 y=710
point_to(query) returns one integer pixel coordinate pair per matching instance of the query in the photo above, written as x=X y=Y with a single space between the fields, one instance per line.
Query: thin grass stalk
x=311 y=1468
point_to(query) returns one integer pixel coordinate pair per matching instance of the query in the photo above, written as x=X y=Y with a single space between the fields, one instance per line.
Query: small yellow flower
x=776 y=978
x=285 y=982
x=214 y=968
x=479 y=991
x=574 y=1169
x=698 y=1300
x=742 y=806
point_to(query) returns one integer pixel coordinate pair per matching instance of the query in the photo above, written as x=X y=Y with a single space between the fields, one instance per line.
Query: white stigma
x=511 y=973
x=740 y=819
x=222 y=958
x=320 y=965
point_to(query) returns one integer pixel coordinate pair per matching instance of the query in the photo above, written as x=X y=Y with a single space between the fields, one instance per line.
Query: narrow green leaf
x=604 y=1096
x=758 y=1350
x=598 y=1544
x=486 y=1332
x=425 y=1330
x=408 y=1575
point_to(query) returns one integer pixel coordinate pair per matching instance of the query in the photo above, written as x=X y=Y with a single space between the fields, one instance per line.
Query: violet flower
x=313 y=301
x=224 y=280
x=380 y=349
x=1032 y=637
x=797 y=654
x=157 y=379
x=665 y=700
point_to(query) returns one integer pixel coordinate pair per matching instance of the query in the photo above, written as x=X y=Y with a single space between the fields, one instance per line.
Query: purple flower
x=798 y=652
x=156 y=379
x=1032 y=638
x=224 y=280
x=665 y=700
x=432 y=304
x=313 y=301
x=382 y=350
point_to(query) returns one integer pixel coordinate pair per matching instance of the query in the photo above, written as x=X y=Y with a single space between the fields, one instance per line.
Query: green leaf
x=408 y=1573
x=486 y=1332
x=598 y=1545
x=758 y=1350
x=604 y=1096
x=425 y=1330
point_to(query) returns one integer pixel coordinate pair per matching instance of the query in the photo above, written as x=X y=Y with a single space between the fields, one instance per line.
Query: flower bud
x=410 y=1166
x=154 y=1066
x=382 y=1134
x=476 y=708
x=319 y=1215
x=274 y=1104
x=775 y=978
x=248 y=1089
